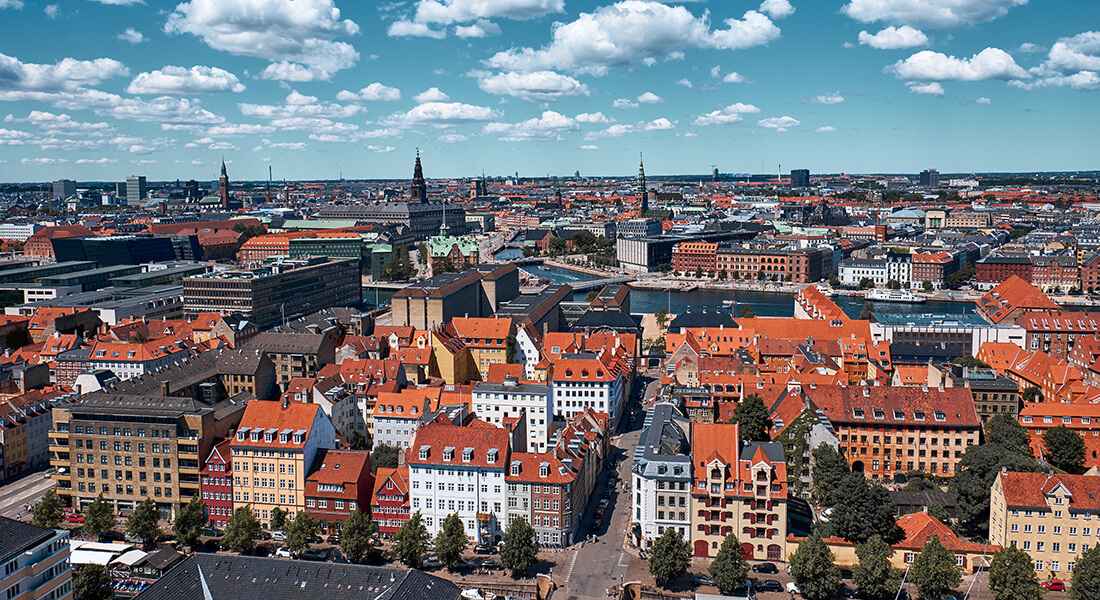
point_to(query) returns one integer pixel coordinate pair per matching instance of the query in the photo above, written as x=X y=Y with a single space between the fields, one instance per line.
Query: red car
x=1054 y=585
x=75 y=518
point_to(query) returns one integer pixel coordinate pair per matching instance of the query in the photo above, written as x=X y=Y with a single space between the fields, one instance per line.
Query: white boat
x=895 y=296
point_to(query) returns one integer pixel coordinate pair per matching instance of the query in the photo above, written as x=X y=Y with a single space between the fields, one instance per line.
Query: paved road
x=20 y=492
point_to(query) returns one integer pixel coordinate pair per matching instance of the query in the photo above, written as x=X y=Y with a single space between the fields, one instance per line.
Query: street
x=28 y=490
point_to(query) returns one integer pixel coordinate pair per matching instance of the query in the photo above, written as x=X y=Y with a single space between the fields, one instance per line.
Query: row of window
x=143 y=491
x=323 y=503
x=128 y=475
x=263 y=467
x=125 y=447
x=122 y=431
x=1057 y=514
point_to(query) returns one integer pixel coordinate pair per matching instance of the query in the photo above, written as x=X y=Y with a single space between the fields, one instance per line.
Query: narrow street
x=20 y=492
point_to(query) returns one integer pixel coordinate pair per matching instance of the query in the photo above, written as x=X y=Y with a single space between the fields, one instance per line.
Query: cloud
x=16 y=4
x=297 y=36
x=829 y=98
x=373 y=92
x=180 y=80
x=441 y=114
x=1082 y=80
x=612 y=131
x=270 y=145
x=650 y=98
x=726 y=116
x=44 y=161
x=1072 y=62
x=547 y=127
x=597 y=117
x=380 y=149
x=297 y=105
x=734 y=78
x=120 y=2
x=624 y=103
x=779 y=123
x=894 y=38
x=927 y=89
x=410 y=29
x=589 y=147
x=633 y=32
x=453 y=138
x=685 y=82
x=168 y=112
x=825 y=129
x=777 y=9
x=535 y=86
x=14 y=137
x=991 y=63
x=983 y=100
x=52 y=10
x=446 y=12
x=239 y=130
x=67 y=74
x=1028 y=48
x=938 y=14
x=432 y=94
x=661 y=124
x=96 y=161
x=132 y=35
x=480 y=29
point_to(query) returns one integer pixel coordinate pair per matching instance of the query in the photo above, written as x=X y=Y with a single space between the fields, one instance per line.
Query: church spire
x=419 y=191
x=640 y=190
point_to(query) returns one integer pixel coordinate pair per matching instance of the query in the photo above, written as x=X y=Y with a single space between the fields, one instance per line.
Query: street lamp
x=620 y=580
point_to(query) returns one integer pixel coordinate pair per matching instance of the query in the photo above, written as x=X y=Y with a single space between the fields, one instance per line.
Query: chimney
x=286 y=401
x=164 y=388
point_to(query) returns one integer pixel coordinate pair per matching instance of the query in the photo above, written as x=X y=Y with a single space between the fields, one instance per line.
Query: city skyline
x=319 y=89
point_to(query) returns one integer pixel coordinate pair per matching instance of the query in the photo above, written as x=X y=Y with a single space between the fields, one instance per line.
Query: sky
x=96 y=90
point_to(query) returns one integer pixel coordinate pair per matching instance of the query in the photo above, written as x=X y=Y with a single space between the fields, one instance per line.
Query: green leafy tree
x=48 y=512
x=875 y=577
x=241 y=530
x=518 y=551
x=814 y=570
x=190 y=521
x=751 y=415
x=300 y=532
x=867 y=312
x=357 y=535
x=927 y=285
x=93 y=583
x=1085 y=584
x=934 y=571
x=747 y=312
x=383 y=456
x=862 y=510
x=829 y=467
x=669 y=556
x=866 y=283
x=278 y=519
x=584 y=240
x=893 y=284
x=661 y=318
x=99 y=518
x=358 y=441
x=411 y=541
x=451 y=541
x=937 y=509
x=1065 y=449
x=834 y=281
x=1005 y=448
x=1012 y=576
x=1005 y=431
x=729 y=569
x=557 y=246
x=1032 y=394
x=143 y=523
x=970 y=362
x=510 y=343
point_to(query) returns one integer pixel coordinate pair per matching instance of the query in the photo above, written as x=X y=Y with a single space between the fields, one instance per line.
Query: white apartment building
x=460 y=470
x=36 y=562
x=583 y=381
x=527 y=351
x=495 y=402
x=661 y=475
x=854 y=270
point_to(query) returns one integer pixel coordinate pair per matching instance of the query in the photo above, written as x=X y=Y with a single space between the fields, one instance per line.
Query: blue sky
x=102 y=89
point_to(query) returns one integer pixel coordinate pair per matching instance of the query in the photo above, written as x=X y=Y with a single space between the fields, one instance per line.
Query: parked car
x=278 y=536
x=283 y=553
x=603 y=503
x=596 y=524
x=110 y=536
x=316 y=554
x=431 y=561
x=210 y=531
x=75 y=518
x=333 y=539
x=767 y=568
x=1054 y=585
x=263 y=535
x=769 y=585
x=701 y=579
x=482 y=549
x=792 y=588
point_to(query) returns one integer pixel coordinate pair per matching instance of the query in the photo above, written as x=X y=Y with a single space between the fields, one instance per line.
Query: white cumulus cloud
x=733 y=78
x=66 y=74
x=373 y=92
x=52 y=10
x=650 y=98
x=132 y=35
x=181 y=80
x=546 y=127
x=597 y=117
x=726 y=116
x=894 y=38
x=685 y=82
x=927 y=89
x=777 y=9
x=829 y=98
x=16 y=4
x=825 y=129
x=432 y=94
x=991 y=63
x=442 y=114
x=661 y=124
x=983 y=100
x=481 y=29
x=940 y=14
x=779 y=123
x=534 y=86
x=624 y=103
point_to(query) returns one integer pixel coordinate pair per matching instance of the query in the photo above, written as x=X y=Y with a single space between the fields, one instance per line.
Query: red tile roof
x=952 y=407
x=1010 y=295
x=1028 y=490
x=438 y=436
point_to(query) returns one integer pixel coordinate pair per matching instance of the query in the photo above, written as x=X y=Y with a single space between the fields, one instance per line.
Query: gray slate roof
x=16 y=537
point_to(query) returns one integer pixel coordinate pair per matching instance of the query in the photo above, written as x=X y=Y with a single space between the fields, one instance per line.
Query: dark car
x=314 y=555
x=111 y=536
x=596 y=525
x=767 y=568
x=701 y=579
x=482 y=549
x=769 y=585
x=333 y=539
x=209 y=531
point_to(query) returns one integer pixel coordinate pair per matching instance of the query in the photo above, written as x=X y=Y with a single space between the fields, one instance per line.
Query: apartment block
x=341 y=483
x=661 y=475
x=36 y=562
x=499 y=403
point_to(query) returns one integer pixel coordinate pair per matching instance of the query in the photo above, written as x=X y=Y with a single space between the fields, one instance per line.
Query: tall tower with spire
x=641 y=191
x=418 y=192
x=223 y=187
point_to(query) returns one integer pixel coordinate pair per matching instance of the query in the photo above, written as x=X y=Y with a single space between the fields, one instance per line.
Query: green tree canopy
x=867 y=312
x=729 y=570
x=99 y=518
x=241 y=530
x=661 y=318
x=300 y=532
x=970 y=362
x=829 y=467
x=411 y=541
x=747 y=312
x=1005 y=448
x=356 y=536
x=814 y=570
x=518 y=551
x=1012 y=576
x=383 y=457
x=48 y=511
x=934 y=571
x=1065 y=449
x=751 y=415
x=143 y=523
x=190 y=521
x=93 y=583
x=875 y=577
x=669 y=556
x=278 y=519
x=863 y=510
x=1085 y=584
x=1005 y=431
x=451 y=541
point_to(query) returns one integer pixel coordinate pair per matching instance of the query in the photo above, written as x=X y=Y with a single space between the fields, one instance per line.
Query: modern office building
x=36 y=562
x=478 y=292
x=800 y=178
x=64 y=188
x=930 y=178
x=136 y=190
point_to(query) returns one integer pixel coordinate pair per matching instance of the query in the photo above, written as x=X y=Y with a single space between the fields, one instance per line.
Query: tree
x=834 y=281
x=862 y=510
x=510 y=347
x=241 y=530
x=970 y=362
x=751 y=415
x=356 y=536
x=934 y=571
x=278 y=519
x=557 y=245
x=1032 y=394
x=584 y=240
x=451 y=541
x=867 y=312
x=661 y=318
x=1064 y=448
x=1085 y=584
x=93 y=583
x=143 y=522
x=829 y=467
x=138 y=337
x=300 y=532
x=866 y=283
x=48 y=512
x=1012 y=576
x=893 y=284
x=190 y=521
x=747 y=312
x=729 y=569
x=927 y=285
x=813 y=569
x=874 y=576
x=518 y=551
x=99 y=518
x=1005 y=431
x=411 y=541
x=442 y=264
x=358 y=441
x=249 y=231
x=668 y=559
x=591 y=295
x=937 y=509
x=383 y=457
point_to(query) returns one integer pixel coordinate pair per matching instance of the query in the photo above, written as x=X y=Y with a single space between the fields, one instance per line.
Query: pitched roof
x=340 y=467
x=399 y=477
x=272 y=416
x=1010 y=295
x=16 y=537
x=1030 y=489
x=438 y=436
x=952 y=407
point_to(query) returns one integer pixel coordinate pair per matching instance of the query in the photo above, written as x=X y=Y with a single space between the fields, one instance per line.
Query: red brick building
x=993 y=270
x=690 y=257
x=216 y=485
x=931 y=267
x=782 y=264
x=1055 y=332
x=1090 y=272
x=389 y=506
x=340 y=484
x=1055 y=273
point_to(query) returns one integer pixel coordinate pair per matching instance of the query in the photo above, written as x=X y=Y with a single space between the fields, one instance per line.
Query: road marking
x=569 y=566
x=624 y=560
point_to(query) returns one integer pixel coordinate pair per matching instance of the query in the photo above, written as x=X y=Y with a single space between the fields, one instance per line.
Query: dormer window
x=857 y=413
x=544 y=470
x=515 y=468
x=284 y=438
x=269 y=436
x=879 y=413
x=298 y=438
x=241 y=435
x=448 y=453
x=940 y=416
x=255 y=436
x=918 y=415
x=491 y=457
x=424 y=452
x=899 y=414
x=467 y=455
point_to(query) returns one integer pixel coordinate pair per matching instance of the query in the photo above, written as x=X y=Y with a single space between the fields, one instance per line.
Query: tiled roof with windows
x=884 y=405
